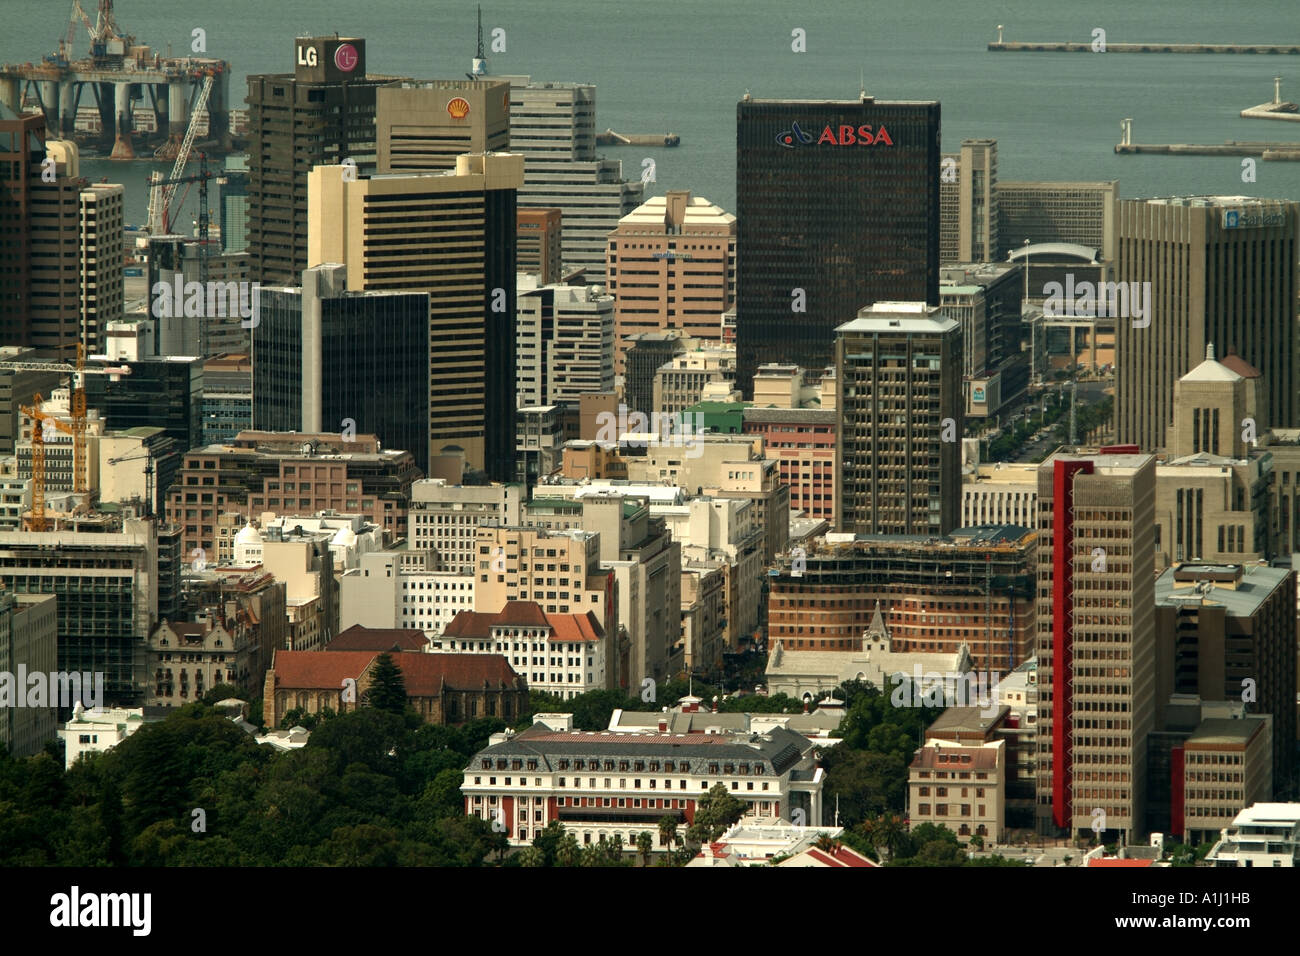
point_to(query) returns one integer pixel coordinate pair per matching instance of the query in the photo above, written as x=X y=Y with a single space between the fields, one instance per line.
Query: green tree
x=645 y=844
x=668 y=831
x=714 y=813
x=387 y=686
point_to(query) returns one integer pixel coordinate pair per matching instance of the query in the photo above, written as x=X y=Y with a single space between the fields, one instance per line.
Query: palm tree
x=826 y=843
x=645 y=843
x=668 y=831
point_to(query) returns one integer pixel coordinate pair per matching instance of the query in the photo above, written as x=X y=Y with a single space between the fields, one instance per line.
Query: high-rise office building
x=1077 y=213
x=322 y=113
x=592 y=197
x=102 y=245
x=552 y=121
x=968 y=197
x=452 y=235
x=325 y=359
x=565 y=343
x=1096 y=641
x=232 y=201
x=159 y=391
x=553 y=125
x=671 y=263
x=837 y=203
x=898 y=370
x=22 y=148
x=423 y=126
x=1210 y=269
x=538 y=243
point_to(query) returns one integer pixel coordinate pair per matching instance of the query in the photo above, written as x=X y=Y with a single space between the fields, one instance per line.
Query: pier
x=1266 y=151
x=611 y=138
x=1277 y=110
x=1089 y=46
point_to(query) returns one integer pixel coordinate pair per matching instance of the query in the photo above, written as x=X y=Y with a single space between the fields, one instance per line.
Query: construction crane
x=40 y=420
x=101 y=31
x=161 y=192
x=147 y=455
x=77 y=406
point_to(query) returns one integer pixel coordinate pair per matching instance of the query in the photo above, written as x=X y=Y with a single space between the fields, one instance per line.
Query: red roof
x=426 y=674
x=575 y=627
x=358 y=638
x=477 y=626
x=1111 y=861
x=474 y=625
x=1238 y=364
x=521 y=614
x=311 y=670
x=840 y=856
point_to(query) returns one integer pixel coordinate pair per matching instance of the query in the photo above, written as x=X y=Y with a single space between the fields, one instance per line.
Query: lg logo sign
x=346 y=57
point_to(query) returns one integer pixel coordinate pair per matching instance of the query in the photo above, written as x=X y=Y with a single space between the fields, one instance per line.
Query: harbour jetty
x=1279 y=109
x=1265 y=151
x=611 y=138
x=1086 y=46
x=1099 y=44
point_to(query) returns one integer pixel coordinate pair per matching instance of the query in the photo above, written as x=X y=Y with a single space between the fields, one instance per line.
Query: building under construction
x=974 y=586
x=113 y=77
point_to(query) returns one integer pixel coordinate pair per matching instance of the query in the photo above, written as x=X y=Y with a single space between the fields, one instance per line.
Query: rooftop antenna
x=479 y=67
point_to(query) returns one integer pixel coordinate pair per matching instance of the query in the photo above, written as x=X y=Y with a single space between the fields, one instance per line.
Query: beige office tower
x=671 y=264
x=968 y=203
x=423 y=126
x=451 y=234
x=898 y=394
x=1096 y=643
x=1074 y=213
x=102 y=242
x=1216 y=269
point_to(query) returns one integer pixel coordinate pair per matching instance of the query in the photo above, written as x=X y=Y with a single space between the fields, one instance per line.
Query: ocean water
x=681 y=65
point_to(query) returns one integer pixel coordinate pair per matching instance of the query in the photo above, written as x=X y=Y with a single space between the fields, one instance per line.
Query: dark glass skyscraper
x=323 y=356
x=837 y=205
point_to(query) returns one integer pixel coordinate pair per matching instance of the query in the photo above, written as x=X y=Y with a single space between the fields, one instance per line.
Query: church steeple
x=877 y=632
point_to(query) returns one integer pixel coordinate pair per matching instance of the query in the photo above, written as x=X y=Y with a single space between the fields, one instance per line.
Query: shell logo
x=458 y=108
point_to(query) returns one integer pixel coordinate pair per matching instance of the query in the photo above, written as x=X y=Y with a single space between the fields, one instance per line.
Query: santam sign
x=835 y=136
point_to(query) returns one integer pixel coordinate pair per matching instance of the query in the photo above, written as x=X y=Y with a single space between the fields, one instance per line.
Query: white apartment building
x=1264 y=834
x=446 y=518
x=96 y=731
x=560 y=654
x=402 y=589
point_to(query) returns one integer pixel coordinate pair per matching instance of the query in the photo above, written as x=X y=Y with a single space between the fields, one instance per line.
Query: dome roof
x=248 y=535
x=345 y=536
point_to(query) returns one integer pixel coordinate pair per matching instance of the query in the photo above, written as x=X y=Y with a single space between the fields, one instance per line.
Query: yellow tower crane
x=77 y=405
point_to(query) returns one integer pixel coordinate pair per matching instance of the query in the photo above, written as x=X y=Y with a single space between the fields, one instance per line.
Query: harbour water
x=681 y=65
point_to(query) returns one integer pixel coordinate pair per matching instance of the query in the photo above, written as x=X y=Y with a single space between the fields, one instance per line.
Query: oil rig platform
x=115 y=74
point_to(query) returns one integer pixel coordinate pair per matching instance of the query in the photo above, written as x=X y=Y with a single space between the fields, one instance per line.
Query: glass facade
x=837 y=208
x=373 y=366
